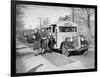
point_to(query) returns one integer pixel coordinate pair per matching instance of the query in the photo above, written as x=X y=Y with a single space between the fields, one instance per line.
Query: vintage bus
x=66 y=34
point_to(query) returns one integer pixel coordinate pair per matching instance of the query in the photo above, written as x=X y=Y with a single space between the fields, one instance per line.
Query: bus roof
x=65 y=23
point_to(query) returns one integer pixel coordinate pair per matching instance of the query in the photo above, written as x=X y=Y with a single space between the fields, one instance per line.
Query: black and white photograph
x=54 y=38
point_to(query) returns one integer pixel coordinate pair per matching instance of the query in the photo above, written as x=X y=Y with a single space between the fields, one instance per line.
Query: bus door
x=54 y=32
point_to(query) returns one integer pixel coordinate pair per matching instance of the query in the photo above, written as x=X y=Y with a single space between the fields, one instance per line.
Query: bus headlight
x=82 y=45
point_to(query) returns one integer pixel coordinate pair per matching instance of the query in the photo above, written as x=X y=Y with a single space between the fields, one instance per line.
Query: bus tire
x=61 y=46
x=64 y=50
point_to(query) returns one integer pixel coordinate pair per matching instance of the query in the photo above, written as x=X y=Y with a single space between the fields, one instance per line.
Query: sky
x=32 y=13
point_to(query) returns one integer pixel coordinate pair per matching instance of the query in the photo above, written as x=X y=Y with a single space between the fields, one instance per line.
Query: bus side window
x=76 y=29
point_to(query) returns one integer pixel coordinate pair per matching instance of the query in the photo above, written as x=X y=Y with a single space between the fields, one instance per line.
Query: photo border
x=13 y=37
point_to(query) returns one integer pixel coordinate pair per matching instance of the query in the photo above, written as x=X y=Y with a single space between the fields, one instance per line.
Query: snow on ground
x=31 y=62
x=40 y=63
x=27 y=61
x=23 y=48
x=87 y=60
x=67 y=63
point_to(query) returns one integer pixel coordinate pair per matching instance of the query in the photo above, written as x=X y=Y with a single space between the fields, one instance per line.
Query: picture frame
x=14 y=15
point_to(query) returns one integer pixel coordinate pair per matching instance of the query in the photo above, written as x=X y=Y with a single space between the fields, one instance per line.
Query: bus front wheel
x=64 y=50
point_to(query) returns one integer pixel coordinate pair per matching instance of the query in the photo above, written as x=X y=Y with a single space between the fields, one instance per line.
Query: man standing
x=44 y=37
x=37 y=38
x=52 y=42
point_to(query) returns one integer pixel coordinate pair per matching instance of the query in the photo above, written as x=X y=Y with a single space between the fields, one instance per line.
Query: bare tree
x=83 y=14
x=19 y=20
x=46 y=21
x=19 y=17
x=73 y=14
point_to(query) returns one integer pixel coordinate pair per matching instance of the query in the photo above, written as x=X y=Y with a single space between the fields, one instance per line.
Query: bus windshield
x=67 y=29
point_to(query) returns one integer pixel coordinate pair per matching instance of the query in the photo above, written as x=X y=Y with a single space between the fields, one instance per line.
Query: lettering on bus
x=67 y=29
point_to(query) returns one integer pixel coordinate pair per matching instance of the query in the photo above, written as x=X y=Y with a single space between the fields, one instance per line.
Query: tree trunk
x=73 y=14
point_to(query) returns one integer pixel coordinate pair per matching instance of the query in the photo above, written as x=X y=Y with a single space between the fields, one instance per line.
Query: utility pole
x=73 y=14
x=40 y=21
x=45 y=21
